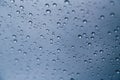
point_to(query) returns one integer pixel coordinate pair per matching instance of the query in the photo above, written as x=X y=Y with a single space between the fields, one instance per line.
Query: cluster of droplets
x=60 y=39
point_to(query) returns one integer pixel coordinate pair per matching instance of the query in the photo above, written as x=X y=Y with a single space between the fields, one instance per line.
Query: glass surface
x=59 y=39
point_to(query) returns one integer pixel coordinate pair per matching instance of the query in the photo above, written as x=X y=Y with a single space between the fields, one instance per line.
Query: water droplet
x=109 y=33
x=79 y=36
x=40 y=47
x=89 y=44
x=16 y=60
x=54 y=4
x=53 y=60
x=58 y=23
x=78 y=74
x=101 y=51
x=112 y=2
x=92 y=37
x=18 y=12
x=85 y=61
x=84 y=34
x=112 y=14
x=14 y=36
x=118 y=27
x=28 y=36
x=102 y=17
x=19 y=50
x=21 y=0
x=73 y=11
x=117 y=58
x=58 y=50
x=115 y=30
x=117 y=37
x=30 y=22
x=61 y=78
x=12 y=1
x=93 y=33
x=9 y=15
x=38 y=59
x=30 y=14
x=58 y=37
x=21 y=7
x=24 y=53
x=72 y=79
x=85 y=21
x=117 y=71
x=48 y=11
x=12 y=48
x=96 y=27
x=41 y=36
x=51 y=41
x=66 y=1
x=15 y=40
x=95 y=54
x=47 y=5
x=66 y=18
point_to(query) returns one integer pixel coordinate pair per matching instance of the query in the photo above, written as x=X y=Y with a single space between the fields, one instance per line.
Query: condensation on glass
x=59 y=40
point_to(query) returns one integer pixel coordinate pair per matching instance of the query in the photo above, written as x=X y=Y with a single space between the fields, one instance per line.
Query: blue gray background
x=59 y=39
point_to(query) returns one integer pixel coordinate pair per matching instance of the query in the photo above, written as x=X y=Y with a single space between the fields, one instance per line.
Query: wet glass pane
x=59 y=39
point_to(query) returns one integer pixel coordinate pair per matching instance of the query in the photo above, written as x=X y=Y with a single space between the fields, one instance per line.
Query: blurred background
x=59 y=39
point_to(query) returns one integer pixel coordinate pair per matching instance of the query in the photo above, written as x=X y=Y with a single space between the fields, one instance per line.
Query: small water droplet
x=15 y=40
x=118 y=27
x=47 y=5
x=21 y=7
x=79 y=36
x=117 y=59
x=12 y=48
x=58 y=50
x=84 y=21
x=18 y=12
x=9 y=15
x=72 y=79
x=54 y=4
x=112 y=2
x=30 y=14
x=41 y=36
x=109 y=33
x=92 y=37
x=40 y=47
x=48 y=11
x=19 y=50
x=101 y=51
x=89 y=44
x=16 y=60
x=30 y=22
x=112 y=14
x=12 y=1
x=14 y=36
x=66 y=1
x=117 y=71
x=93 y=33
x=95 y=54
x=58 y=23
x=85 y=61
x=24 y=53
x=58 y=37
x=28 y=36
x=115 y=30
x=38 y=59
x=21 y=0
x=102 y=17
x=66 y=18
